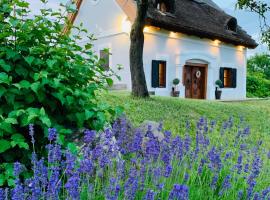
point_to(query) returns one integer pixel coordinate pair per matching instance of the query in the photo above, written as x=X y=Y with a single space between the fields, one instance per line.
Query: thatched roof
x=200 y=18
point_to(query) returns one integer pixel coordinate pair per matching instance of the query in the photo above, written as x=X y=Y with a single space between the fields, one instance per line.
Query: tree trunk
x=139 y=87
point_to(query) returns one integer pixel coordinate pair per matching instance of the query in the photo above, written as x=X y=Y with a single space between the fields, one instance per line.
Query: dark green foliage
x=176 y=81
x=45 y=79
x=219 y=83
x=257 y=85
x=258 y=77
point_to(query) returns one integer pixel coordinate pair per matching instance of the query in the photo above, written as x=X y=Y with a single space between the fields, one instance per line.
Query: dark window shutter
x=221 y=76
x=155 y=72
x=234 y=78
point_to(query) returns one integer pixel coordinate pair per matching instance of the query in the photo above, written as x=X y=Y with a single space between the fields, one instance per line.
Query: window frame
x=153 y=81
x=232 y=75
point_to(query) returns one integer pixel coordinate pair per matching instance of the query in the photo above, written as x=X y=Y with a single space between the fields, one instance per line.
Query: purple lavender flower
x=17 y=192
x=150 y=195
x=86 y=166
x=70 y=163
x=180 y=192
x=152 y=148
x=268 y=154
x=214 y=182
x=89 y=136
x=257 y=196
x=72 y=186
x=52 y=134
x=131 y=185
x=18 y=168
x=31 y=133
x=160 y=186
x=215 y=160
x=225 y=185
x=240 y=195
x=239 y=165
x=2 y=194
x=186 y=177
x=265 y=193
x=187 y=143
x=168 y=171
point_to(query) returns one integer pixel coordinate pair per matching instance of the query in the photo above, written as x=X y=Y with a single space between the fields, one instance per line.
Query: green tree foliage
x=262 y=8
x=46 y=79
x=258 y=77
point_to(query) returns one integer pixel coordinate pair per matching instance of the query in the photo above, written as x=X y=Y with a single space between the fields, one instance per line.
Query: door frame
x=205 y=66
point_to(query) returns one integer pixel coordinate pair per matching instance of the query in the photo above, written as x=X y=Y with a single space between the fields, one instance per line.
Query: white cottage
x=193 y=40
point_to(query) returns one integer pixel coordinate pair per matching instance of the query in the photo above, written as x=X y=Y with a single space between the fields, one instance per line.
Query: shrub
x=258 y=76
x=223 y=163
x=219 y=83
x=45 y=79
x=176 y=81
x=257 y=85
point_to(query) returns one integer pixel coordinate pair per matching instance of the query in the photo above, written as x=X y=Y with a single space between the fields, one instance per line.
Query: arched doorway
x=195 y=79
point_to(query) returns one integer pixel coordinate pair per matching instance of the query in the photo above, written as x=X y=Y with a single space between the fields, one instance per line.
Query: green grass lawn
x=174 y=112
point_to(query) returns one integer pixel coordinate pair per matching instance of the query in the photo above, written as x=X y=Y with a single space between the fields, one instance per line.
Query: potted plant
x=218 y=86
x=175 y=91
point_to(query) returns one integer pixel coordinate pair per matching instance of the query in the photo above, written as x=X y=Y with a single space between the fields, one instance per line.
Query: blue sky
x=247 y=20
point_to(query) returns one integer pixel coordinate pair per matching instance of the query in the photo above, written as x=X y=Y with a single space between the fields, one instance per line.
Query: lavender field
x=127 y=163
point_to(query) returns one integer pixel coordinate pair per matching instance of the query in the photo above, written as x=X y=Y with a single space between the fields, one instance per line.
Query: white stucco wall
x=175 y=48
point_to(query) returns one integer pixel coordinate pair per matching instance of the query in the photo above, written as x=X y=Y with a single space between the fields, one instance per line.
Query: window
x=165 y=6
x=158 y=74
x=228 y=76
x=104 y=56
x=232 y=25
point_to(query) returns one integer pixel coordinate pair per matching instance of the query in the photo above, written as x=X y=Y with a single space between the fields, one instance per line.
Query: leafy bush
x=219 y=83
x=223 y=163
x=260 y=63
x=176 y=81
x=257 y=85
x=45 y=79
x=258 y=77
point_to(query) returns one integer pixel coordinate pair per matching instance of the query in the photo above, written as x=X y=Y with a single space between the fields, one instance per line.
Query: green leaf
x=18 y=139
x=4 y=78
x=2 y=90
x=6 y=127
x=42 y=111
x=72 y=148
x=88 y=114
x=109 y=82
x=51 y=63
x=45 y=120
x=80 y=119
x=35 y=87
x=11 y=121
x=29 y=60
x=2 y=179
x=25 y=84
x=21 y=71
x=5 y=66
x=88 y=46
x=4 y=145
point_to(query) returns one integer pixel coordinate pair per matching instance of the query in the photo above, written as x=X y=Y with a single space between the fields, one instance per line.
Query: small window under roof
x=165 y=5
x=232 y=24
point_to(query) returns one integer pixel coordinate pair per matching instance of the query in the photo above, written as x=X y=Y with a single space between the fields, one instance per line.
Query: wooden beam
x=72 y=16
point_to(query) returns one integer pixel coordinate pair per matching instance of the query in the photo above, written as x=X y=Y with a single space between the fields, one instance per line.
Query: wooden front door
x=195 y=81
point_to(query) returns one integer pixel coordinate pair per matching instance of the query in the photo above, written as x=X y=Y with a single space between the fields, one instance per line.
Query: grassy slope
x=174 y=112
